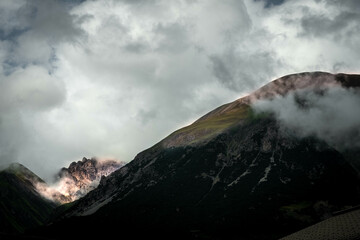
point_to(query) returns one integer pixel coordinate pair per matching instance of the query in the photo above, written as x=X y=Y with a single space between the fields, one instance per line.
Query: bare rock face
x=77 y=180
x=83 y=176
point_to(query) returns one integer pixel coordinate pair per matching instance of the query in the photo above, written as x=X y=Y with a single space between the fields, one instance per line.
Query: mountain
x=77 y=180
x=27 y=201
x=21 y=206
x=234 y=173
x=83 y=176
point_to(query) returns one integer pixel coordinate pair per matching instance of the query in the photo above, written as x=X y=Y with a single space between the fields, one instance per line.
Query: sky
x=111 y=78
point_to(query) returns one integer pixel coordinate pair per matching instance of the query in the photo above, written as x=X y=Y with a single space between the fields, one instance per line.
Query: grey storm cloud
x=34 y=28
x=342 y=25
x=51 y=20
x=352 y=5
x=323 y=26
x=111 y=78
x=271 y=3
x=230 y=67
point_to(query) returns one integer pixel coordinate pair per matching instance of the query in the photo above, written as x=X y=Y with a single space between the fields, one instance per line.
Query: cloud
x=52 y=21
x=35 y=28
x=111 y=78
x=352 y=5
x=32 y=88
x=31 y=32
x=323 y=26
x=271 y=3
x=13 y=18
x=332 y=114
x=231 y=66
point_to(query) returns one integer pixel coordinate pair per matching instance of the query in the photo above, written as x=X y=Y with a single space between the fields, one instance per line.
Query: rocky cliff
x=83 y=176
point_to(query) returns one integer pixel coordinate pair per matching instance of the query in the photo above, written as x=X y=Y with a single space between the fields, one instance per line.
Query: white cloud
x=332 y=116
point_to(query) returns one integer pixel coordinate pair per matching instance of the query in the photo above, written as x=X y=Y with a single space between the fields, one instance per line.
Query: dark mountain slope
x=231 y=174
x=26 y=201
x=21 y=206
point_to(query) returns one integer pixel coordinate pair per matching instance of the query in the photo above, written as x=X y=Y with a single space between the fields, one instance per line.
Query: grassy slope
x=209 y=127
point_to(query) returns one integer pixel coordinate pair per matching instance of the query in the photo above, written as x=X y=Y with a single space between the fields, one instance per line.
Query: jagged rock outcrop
x=83 y=176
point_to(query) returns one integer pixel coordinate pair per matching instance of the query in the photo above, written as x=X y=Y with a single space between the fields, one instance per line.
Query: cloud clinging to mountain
x=97 y=78
x=331 y=115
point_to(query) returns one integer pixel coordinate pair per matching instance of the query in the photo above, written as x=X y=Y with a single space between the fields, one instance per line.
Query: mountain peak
x=17 y=167
x=306 y=80
x=232 y=114
x=23 y=173
x=83 y=176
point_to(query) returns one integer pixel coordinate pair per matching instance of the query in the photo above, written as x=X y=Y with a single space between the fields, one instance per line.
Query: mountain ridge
x=83 y=176
x=228 y=115
x=228 y=170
